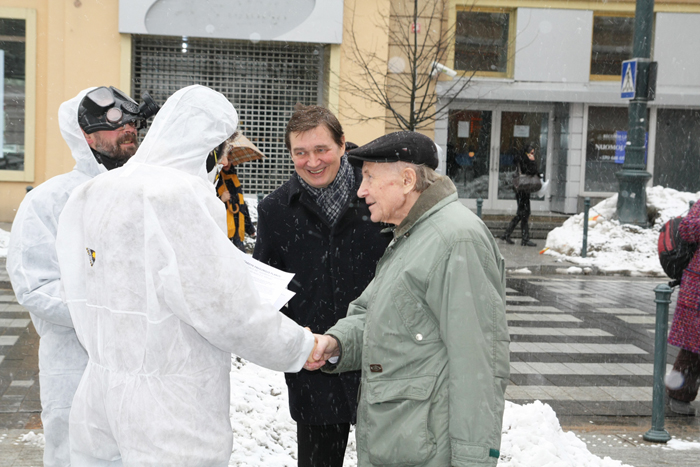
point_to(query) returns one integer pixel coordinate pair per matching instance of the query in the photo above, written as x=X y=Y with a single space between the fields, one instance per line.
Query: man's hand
x=325 y=347
x=225 y=196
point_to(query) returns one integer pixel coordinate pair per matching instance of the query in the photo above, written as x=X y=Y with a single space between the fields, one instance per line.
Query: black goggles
x=107 y=108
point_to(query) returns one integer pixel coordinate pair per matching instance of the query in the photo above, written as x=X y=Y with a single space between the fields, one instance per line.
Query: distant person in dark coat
x=316 y=227
x=682 y=381
x=527 y=164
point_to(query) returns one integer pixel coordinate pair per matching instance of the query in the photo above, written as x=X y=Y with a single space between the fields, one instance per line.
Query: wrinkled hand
x=325 y=347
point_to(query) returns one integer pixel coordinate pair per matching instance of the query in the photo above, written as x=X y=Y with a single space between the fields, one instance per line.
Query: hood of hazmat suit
x=34 y=273
x=160 y=298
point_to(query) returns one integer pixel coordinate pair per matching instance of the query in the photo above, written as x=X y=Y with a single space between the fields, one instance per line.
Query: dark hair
x=308 y=117
x=218 y=152
x=529 y=147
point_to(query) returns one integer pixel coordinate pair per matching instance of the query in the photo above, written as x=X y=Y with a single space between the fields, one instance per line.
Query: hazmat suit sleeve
x=212 y=290
x=31 y=259
x=467 y=292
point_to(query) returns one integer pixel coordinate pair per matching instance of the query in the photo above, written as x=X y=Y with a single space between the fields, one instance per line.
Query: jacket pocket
x=397 y=420
x=418 y=319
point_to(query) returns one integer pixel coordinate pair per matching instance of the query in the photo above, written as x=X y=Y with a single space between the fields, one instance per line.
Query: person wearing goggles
x=99 y=126
x=110 y=121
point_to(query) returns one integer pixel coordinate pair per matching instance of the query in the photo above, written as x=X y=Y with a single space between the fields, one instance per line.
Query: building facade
x=535 y=71
x=549 y=73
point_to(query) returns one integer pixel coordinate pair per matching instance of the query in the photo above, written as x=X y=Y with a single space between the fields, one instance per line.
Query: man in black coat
x=316 y=227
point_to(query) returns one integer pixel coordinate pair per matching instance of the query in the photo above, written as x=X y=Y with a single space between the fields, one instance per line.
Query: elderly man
x=429 y=333
x=160 y=298
x=99 y=125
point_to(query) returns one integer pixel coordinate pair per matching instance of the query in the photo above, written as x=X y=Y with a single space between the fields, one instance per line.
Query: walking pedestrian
x=236 y=150
x=527 y=165
x=682 y=381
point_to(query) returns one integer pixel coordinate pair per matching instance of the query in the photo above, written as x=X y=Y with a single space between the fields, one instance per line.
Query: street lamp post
x=631 y=200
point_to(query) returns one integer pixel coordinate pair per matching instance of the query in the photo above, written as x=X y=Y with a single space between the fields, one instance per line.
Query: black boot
x=526 y=234
x=506 y=238
x=509 y=230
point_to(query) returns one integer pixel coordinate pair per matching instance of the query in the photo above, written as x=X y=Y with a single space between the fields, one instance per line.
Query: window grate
x=263 y=81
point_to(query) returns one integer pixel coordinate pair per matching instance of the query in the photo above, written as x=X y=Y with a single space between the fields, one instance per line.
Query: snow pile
x=264 y=435
x=252 y=202
x=34 y=439
x=619 y=248
x=532 y=436
x=4 y=243
x=681 y=445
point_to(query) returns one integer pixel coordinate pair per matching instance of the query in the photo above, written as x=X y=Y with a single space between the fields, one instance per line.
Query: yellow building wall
x=364 y=20
x=78 y=46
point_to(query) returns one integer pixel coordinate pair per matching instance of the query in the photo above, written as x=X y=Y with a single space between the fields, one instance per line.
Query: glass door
x=481 y=149
x=517 y=130
x=469 y=152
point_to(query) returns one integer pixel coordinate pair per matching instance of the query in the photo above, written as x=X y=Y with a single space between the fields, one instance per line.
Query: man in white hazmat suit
x=31 y=258
x=160 y=298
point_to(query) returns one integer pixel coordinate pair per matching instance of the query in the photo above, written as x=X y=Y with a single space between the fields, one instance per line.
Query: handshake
x=325 y=347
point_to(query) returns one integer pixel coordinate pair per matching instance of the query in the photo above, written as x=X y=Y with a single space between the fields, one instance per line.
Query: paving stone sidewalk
x=583 y=345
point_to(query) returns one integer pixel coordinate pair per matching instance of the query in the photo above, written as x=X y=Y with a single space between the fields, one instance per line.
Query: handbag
x=524 y=183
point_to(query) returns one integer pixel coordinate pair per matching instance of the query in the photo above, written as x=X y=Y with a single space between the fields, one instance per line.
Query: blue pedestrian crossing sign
x=629 y=79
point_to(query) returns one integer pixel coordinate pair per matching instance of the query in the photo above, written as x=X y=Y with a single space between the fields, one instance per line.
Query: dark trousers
x=322 y=445
x=687 y=363
x=522 y=215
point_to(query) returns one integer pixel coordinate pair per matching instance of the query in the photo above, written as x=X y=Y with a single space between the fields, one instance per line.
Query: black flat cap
x=406 y=146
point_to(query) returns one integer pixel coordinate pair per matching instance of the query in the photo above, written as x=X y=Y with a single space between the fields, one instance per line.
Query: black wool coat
x=332 y=266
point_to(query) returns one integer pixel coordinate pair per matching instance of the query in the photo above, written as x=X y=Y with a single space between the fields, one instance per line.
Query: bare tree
x=405 y=84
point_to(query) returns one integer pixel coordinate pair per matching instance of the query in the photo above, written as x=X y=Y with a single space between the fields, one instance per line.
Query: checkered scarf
x=332 y=199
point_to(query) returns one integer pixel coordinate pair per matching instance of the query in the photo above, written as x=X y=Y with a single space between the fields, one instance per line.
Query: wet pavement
x=582 y=344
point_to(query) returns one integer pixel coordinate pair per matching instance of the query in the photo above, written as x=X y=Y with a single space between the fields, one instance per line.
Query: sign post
x=629 y=79
x=632 y=199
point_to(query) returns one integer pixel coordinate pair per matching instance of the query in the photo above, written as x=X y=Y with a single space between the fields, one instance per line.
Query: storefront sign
x=621 y=144
x=262 y=20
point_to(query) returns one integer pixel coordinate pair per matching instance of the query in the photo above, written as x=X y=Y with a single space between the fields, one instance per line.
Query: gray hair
x=425 y=176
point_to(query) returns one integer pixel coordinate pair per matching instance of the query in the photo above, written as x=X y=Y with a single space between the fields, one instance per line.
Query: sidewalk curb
x=553 y=270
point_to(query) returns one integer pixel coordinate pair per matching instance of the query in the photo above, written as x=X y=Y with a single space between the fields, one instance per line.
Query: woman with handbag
x=526 y=165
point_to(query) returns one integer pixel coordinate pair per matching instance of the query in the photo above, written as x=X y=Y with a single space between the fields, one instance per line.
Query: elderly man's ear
x=409 y=179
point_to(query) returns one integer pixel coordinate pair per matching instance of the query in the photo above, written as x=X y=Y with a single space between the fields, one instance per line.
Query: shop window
x=677 y=154
x=605 y=147
x=483 y=42
x=612 y=44
x=17 y=65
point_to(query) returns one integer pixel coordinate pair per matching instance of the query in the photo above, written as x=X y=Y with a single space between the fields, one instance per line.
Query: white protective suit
x=164 y=299
x=34 y=273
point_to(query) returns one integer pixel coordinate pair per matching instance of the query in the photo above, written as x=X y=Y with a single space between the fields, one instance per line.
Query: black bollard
x=657 y=433
x=260 y=197
x=479 y=203
x=29 y=188
x=586 y=208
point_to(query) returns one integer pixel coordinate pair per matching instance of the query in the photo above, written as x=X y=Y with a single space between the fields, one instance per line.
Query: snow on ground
x=533 y=437
x=681 y=445
x=619 y=248
x=34 y=439
x=4 y=243
x=264 y=434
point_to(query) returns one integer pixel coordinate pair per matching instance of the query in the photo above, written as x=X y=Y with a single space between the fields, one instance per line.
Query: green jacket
x=430 y=336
